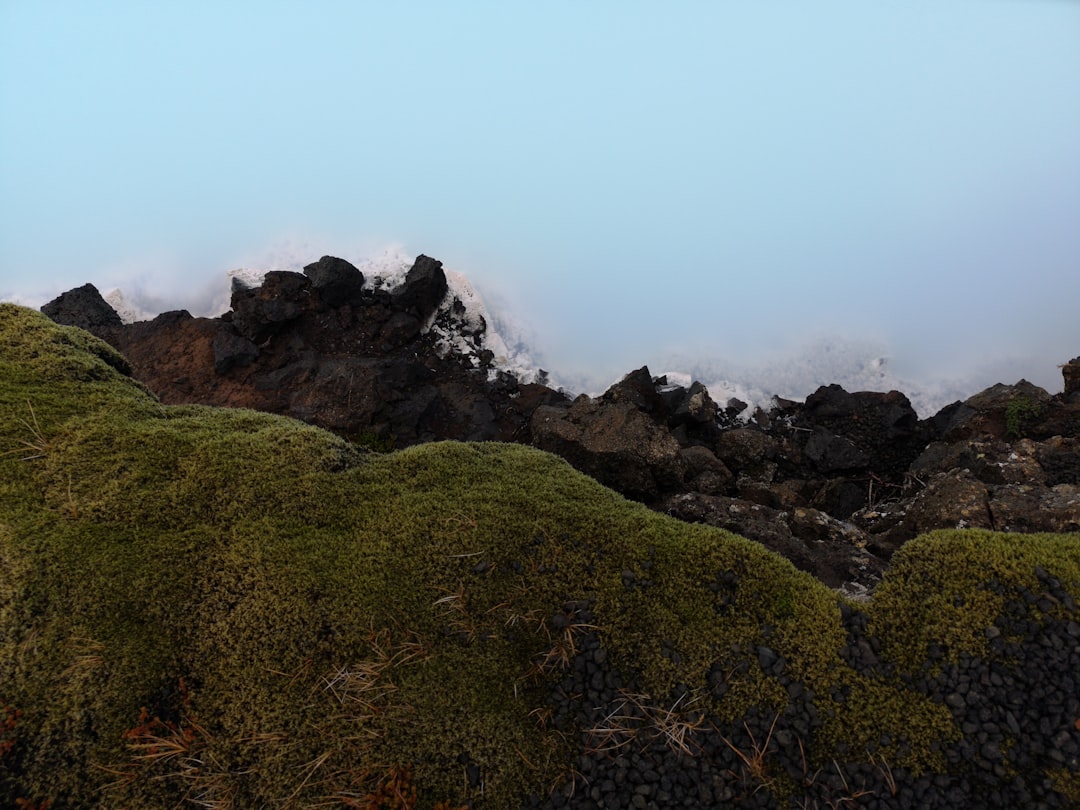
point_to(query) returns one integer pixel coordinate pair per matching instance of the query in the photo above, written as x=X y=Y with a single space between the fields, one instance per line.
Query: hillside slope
x=221 y=608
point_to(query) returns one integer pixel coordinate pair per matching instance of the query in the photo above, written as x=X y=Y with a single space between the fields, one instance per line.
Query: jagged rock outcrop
x=836 y=483
x=1071 y=372
x=321 y=347
x=83 y=307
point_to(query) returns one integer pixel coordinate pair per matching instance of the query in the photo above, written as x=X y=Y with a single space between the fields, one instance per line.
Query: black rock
x=283 y=296
x=82 y=307
x=336 y=280
x=423 y=290
x=232 y=351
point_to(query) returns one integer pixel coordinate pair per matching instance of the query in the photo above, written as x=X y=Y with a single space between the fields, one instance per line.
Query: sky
x=771 y=191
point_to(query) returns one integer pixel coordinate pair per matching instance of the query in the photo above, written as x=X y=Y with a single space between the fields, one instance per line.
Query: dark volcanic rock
x=1000 y=411
x=1071 y=372
x=319 y=347
x=82 y=307
x=615 y=443
x=399 y=329
x=423 y=290
x=832 y=550
x=831 y=453
x=952 y=500
x=704 y=472
x=336 y=281
x=231 y=351
x=863 y=430
x=261 y=311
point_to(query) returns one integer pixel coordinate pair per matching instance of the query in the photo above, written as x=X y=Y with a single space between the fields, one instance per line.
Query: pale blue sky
x=632 y=179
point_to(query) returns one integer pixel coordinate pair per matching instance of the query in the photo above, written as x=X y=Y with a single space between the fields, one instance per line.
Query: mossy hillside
x=946 y=588
x=299 y=618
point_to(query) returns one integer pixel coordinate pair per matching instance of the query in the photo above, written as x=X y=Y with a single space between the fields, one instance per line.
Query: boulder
x=991 y=461
x=999 y=412
x=614 y=442
x=232 y=351
x=833 y=551
x=831 y=453
x=696 y=407
x=400 y=329
x=1059 y=459
x=335 y=280
x=1021 y=507
x=83 y=307
x=865 y=430
x=750 y=451
x=423 y=290
x=952 y=500
x=640 y=390
x=259 y=312
x=704 y=472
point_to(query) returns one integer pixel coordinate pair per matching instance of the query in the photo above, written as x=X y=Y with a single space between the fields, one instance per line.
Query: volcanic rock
x=337 y=281
x=82 y=307
x=615 y=443
x=1001 y=411
x=318 y=346
x=832 y=550
x=423 y=289
x=1071 y=372
x=262 y=311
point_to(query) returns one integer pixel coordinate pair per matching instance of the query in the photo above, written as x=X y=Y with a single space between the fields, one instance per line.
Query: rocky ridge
x=836 y=483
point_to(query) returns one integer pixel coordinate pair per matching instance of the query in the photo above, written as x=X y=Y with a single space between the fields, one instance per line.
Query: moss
x=1067 y=783
x=1019 y=413
x=946 y=588
x=334 y=613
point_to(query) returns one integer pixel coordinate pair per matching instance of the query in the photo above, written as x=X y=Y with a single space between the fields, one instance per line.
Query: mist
x=766 y=196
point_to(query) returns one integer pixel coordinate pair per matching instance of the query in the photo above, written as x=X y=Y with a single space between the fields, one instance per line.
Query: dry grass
x=37 y=446
x=563 y=647
x=634 y=717
x=753 y=761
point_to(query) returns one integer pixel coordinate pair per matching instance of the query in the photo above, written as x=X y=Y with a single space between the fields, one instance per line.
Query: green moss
x=1019 y=413
x=333 y=613
x=947 y=587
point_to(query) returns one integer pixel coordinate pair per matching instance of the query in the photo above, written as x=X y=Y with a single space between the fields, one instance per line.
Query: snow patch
x=128 y=311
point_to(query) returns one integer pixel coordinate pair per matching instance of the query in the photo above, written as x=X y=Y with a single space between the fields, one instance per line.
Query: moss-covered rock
x=227 y=607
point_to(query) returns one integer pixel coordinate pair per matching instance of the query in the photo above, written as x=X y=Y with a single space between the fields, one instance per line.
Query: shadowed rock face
x=836 y=483
x=83 y=307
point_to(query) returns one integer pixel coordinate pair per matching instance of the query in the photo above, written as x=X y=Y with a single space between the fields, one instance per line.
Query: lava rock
x=423 y=290
x=337 y=281
x=82 y=307
x=262 y=311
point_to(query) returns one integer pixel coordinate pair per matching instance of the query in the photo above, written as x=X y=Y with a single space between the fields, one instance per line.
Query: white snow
x=128 y=312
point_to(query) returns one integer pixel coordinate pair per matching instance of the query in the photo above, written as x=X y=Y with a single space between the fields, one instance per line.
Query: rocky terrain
x=836 y=483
